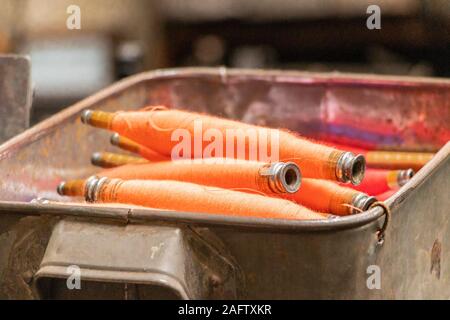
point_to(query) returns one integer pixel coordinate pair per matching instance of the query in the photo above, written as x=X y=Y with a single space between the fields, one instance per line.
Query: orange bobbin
x=277 y=177
x=155 y=128
x=327 y=196
x=182 y=196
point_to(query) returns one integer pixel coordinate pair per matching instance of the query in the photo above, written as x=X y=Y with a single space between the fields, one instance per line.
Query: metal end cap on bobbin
x=404 y=176
x=362 y=202
x=115 y=139
x=96 y=159
x=86 y=116
x=284 y=177
x=351 y=168
x=60 y=188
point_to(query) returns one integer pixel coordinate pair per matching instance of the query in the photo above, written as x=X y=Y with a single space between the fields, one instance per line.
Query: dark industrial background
x=119 y=38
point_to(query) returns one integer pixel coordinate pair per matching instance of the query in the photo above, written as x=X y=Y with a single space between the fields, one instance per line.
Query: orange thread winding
x=182 y=196
x=324 y=196
x=315 y=160
x=223 y=173
x=129 y=145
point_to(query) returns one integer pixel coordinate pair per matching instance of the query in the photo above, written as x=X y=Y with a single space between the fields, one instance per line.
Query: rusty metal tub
x=126 y=252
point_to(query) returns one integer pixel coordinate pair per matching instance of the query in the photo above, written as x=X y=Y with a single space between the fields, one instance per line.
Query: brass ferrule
x=351 y=168
x=282 y=177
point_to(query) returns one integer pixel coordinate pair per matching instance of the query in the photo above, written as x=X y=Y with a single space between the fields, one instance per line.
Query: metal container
x=129 y=252
x=15 y=95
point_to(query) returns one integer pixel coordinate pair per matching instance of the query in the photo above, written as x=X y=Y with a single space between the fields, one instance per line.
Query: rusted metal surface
x=277 y=258
x=143 y=259
x=15 y=95
x=23 y=243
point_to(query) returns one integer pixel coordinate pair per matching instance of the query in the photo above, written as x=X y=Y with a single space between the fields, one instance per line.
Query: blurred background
x=119 y=38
